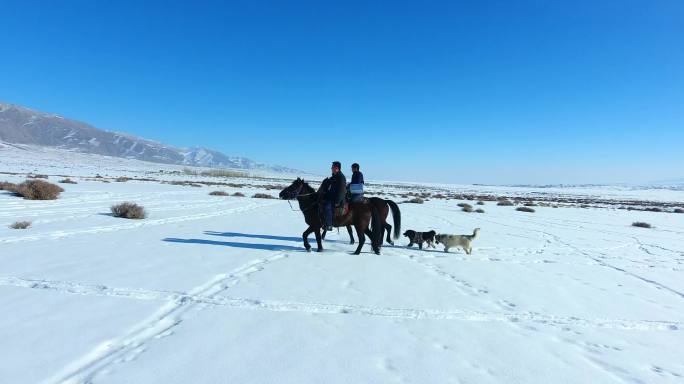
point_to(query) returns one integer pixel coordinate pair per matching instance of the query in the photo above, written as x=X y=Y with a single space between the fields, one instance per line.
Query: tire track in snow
x=162 y=321
x=601 y=262
x=158 y=325
x=137 y=224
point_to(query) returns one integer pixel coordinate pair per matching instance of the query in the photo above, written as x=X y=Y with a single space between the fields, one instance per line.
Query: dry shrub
x=223 y=173
x=184 y=183
x=480 y=202
x=467 y=208
x=479 y=210
x=525 y=209
x=262 y=196
x=416 y=200
x=214 y=173
x=129 y=210
x=20 y=225
x=679 y=210
x=38 y=190
x=239 y=194
x=218 y=193
x=122 y=179
x=36 y=176
x=653 y=209
x=67 y=181
x=530 y=204
x=463 y=205
x=7 y=186
x=504 y=203
x=641 y=224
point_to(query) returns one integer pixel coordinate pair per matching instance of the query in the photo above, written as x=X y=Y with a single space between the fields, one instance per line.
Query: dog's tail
x=474 y=235
x=396 y=216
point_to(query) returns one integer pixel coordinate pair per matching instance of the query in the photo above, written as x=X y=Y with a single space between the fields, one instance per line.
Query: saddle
x=338 y=212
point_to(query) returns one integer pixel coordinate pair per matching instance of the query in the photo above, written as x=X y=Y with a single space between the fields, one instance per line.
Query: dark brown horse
x=366 y=217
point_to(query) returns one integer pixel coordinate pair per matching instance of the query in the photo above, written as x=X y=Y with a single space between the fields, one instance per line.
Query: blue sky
x=462 y=92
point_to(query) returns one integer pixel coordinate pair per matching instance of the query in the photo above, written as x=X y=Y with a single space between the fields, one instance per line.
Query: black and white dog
x=420 y=237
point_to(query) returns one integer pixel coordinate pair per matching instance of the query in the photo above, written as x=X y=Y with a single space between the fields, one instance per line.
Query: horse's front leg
x=318 y=240
x=305 y=236
x=351 y=235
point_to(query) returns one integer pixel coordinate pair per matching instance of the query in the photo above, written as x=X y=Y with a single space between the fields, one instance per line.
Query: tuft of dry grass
x=262 y=196
x=36 y=176
x=679 y=210
x=129 y=210
x=38 y=190
x=67 y=181
x=641 y=224
x=464 y=205
x=7 y=186
x=218 y=193
x=525 y=209
x=467 y=208
x=480 y=210
x=416 y=200
x=239 y=194
x=122 y=179
x=480 y=202
x=530 y=204
x=20 y=225
x=653 y=209
x=504 y=203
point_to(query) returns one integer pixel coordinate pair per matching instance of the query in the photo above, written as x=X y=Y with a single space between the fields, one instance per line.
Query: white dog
x=463 y=241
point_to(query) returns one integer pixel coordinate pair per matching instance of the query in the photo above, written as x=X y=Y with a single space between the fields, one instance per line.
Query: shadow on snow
x=265 y=247
x=267 y=237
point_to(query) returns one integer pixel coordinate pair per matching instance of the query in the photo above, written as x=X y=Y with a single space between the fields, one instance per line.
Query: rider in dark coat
x=334 y=196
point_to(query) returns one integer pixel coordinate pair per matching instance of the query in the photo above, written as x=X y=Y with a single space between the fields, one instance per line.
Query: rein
x=297 y=194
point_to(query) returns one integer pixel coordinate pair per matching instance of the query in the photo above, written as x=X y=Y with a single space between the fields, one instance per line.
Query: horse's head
x=291 y=192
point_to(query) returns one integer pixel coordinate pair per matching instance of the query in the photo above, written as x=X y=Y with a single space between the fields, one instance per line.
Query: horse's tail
x=376 y=226
x=396 y=216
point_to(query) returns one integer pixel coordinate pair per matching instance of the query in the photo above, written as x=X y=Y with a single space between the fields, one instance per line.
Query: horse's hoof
x=351 y=243
x=319 y=250
x=391 y=243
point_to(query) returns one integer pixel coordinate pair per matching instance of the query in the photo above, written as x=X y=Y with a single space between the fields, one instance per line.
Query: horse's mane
x=306 y=188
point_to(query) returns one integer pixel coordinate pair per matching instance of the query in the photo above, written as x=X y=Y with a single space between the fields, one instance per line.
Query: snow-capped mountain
x=21 y=125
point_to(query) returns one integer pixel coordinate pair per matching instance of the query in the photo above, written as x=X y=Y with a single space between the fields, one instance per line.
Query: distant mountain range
x=20 y=125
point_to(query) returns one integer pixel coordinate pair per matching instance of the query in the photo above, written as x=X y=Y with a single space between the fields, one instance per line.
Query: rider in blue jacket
x=356 y=185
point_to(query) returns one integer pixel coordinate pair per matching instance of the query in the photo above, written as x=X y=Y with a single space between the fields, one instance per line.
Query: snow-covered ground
x=215 y=289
